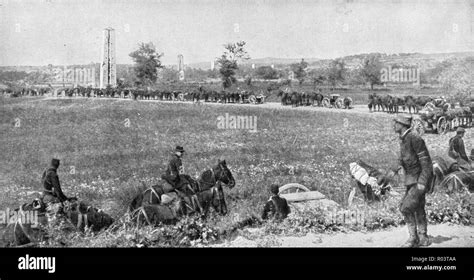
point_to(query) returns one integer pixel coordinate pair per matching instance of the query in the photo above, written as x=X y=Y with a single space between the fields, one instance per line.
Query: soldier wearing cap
x=416 y=162
x=276 y=207
x=457 y=150
x=52 y=192
x=174 y=169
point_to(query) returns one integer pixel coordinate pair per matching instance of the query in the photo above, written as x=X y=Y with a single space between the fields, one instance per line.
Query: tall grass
x=110 y=149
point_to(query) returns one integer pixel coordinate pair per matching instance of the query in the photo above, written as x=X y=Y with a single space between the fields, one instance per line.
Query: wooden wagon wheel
x=429 y=106
x=339 y=103
x=418 y=126
x=442 y=125
x=252 y=99
x=293 y=188
x=326 y=102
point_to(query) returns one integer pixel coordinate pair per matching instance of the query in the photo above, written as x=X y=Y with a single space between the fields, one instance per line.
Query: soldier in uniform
x=52 y=192
x=457 y=150
x=174 y=170
x=53 y=196
x=276 y=207
x=416 y=162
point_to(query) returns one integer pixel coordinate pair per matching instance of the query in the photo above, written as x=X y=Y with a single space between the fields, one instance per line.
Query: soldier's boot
x=413 y=239
x=423 y=235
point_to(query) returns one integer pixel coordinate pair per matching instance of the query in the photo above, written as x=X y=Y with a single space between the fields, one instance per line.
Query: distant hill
x=424 y=61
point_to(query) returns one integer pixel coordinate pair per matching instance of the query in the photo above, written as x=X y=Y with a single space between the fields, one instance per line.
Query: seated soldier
x=52 y=192
x=276 y=207
x=174 y=175
x=457 y=150
x=53 y=196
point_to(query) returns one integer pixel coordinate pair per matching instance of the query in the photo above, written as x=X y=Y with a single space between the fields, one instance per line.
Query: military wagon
x=334 y=100
x=252 y=98
x=441 y=121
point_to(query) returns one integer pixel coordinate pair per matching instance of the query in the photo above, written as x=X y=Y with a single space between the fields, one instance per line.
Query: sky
x=65 y=32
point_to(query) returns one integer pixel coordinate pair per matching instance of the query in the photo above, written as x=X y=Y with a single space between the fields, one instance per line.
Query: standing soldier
x=276 y=207
x=457 y=150
x=416 y=162
x=174 y=169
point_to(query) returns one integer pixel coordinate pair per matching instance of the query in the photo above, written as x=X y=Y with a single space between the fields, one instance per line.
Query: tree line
x=453 y=75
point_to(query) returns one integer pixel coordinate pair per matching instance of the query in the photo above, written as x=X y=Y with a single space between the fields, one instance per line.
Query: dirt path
x=442 y=235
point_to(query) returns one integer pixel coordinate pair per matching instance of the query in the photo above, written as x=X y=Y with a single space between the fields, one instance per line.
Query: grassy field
x=109 y=146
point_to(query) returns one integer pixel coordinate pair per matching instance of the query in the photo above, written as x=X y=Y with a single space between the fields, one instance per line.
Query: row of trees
x=148 y=64
x=453 y=75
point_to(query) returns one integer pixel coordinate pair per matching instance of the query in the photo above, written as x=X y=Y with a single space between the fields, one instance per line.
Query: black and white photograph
x=237 y=124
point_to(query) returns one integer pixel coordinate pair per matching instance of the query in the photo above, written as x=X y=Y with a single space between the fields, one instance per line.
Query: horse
x=170 y=213
x=84 y=215
x=295 y=99
x=188 y=187
x=347 y=103
x=386 y=101
x=285 y=97
x=23 y=232
x=375 y=101
x=318 y=97
x=80 y=216
x=411 y=104
x=395 y=103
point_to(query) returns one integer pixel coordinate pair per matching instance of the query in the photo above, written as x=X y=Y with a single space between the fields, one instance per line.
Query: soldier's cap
x=403 y=119
x=179 y=149
x=275 y=188
x=460 y=130
x=55 y=162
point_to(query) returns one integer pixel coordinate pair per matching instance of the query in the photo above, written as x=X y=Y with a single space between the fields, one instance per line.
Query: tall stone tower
x=181 y=67
x=108 y=68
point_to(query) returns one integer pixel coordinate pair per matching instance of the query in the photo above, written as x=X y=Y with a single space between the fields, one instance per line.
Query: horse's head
x=225 y=176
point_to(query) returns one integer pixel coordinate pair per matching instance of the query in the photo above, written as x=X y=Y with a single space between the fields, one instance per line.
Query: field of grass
x=107 y=147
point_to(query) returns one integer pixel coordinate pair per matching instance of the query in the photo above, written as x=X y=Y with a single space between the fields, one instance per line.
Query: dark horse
x=80 y=215
x=192 y=193
x=170 y=213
